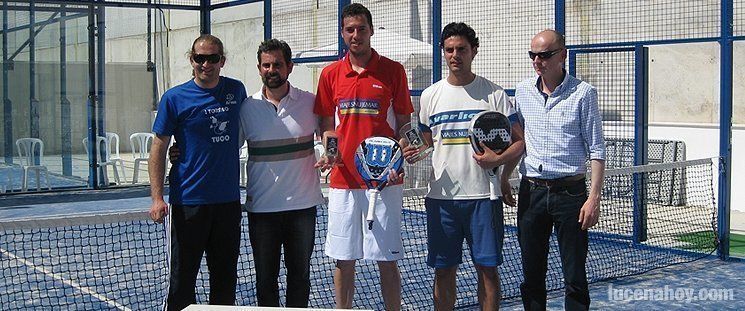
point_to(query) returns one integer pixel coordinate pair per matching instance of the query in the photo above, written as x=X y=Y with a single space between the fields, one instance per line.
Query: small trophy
x=412 y=135
x=331 y=143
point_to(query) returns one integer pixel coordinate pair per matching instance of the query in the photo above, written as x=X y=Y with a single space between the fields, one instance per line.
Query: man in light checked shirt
x=563 y=129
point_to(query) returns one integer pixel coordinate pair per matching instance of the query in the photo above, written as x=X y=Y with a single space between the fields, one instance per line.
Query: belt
x=564 y=181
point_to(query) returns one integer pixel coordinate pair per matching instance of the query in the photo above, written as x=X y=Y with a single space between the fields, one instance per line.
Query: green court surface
x=703 y=240
x=737 y=245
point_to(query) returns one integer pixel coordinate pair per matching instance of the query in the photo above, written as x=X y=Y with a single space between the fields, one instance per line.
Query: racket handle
x=494 y=187
x=371 y=207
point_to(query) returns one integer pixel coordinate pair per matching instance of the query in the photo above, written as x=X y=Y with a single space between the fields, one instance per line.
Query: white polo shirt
x=447 y=110
x=280 y=171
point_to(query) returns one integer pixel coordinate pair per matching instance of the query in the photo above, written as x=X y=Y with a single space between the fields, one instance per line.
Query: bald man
x=563 y=129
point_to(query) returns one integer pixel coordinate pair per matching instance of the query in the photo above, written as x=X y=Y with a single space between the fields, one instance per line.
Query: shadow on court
x=706 y=284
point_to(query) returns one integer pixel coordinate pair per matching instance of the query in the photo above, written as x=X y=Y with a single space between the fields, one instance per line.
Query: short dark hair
x=356 y=9
x=275 y=45
x=459 y=29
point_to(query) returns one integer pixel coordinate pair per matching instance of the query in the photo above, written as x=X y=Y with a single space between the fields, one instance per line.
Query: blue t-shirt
x=205 y=123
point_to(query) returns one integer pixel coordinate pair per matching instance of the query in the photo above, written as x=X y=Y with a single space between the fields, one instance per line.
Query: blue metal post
x=572 y=63
x=151 y=67
x=267 y=19
x=91 y=105
x=7 y=104
x=436 y=33
x=342 y=47
x=641 y=121
x=204 y=17
x=65 y=114
x=560 y=16
x=33 y=102
x=101 y=84
x=725 y=128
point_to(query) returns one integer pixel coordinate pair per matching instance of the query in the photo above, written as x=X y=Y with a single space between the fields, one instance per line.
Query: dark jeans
x=539 y=209
x=269 y=233
x=214 y=230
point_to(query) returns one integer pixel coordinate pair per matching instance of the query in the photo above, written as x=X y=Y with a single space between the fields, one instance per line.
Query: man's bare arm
x=590 y=212
x=156 y=171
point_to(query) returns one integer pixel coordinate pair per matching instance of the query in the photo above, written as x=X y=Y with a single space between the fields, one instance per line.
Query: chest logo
x=230 y=99
x=218 y=126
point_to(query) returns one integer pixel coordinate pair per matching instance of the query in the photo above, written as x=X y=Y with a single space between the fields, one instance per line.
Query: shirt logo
x=452 y=117
x=218 y=126
x=359 y=106
x=230 y=99
x=377 y=86
x=455 y=137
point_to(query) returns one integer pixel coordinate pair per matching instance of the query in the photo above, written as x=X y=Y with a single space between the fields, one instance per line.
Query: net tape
x=117 y=261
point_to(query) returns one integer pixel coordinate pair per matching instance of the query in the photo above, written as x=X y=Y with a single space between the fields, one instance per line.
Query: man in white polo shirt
x=283 y=187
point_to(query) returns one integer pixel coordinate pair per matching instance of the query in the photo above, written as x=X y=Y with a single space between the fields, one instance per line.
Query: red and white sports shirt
x=364 y=104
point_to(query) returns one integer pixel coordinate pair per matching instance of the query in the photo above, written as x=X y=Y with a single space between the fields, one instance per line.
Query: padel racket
x=494 y=130
x=375 y=157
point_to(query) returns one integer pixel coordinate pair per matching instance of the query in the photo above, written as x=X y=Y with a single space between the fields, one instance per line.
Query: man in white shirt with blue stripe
x=563 y=129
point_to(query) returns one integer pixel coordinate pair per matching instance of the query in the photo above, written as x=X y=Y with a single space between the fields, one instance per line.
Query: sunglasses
x=543 y=55
x=211 y=58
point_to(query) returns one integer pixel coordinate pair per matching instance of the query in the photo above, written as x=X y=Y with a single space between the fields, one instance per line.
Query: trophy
x=411 y=134
x=331 y=144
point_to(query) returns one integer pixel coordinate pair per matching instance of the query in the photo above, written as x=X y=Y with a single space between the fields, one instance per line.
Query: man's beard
x=274 y=83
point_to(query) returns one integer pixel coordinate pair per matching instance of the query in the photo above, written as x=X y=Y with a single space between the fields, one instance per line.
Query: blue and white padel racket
x=375 y=157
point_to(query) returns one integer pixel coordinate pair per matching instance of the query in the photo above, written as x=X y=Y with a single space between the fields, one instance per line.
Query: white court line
x=83 y=289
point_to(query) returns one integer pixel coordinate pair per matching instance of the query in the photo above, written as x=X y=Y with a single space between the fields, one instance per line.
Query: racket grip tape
x=371 y=208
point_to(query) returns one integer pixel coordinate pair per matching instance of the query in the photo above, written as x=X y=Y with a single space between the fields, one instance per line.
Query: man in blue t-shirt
x=205 y=212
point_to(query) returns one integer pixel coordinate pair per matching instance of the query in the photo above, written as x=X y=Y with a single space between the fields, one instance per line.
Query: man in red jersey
x=362 y=95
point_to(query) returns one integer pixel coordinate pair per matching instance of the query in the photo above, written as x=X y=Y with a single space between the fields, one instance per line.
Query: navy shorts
x=480 y=222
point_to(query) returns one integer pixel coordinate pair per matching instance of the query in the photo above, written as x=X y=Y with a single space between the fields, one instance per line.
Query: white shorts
x=348 y=237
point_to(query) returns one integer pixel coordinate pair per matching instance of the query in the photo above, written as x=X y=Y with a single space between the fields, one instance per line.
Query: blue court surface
x=706 y=284
x=110 y=256
x=11 y=176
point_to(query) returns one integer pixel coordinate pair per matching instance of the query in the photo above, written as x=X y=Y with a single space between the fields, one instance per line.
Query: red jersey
x=364 y=104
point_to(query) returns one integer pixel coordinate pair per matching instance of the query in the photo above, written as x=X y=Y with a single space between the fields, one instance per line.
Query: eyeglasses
x=211 y=58
x=543 y=55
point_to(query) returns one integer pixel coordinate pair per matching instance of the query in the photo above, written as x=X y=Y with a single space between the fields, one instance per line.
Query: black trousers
x=214 y=230
x=269 y=234
x=540 y=209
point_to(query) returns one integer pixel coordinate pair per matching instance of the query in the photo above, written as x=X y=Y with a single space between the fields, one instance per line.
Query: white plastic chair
x=102 y=142
x=243 y=156
x=27 y=148
x=140 y=146
x=114 y=157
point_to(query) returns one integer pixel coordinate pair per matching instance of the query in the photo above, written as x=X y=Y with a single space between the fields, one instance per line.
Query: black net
x=118 y=261
x=592 y=22
x=504 y=42
x=405 y=37
x=612 y=73
x=308 y=26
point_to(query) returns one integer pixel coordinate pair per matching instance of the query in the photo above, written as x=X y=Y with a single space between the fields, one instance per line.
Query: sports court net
x=652 y=216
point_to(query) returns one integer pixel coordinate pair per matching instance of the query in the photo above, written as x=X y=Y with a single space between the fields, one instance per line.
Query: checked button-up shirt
x=562 y=130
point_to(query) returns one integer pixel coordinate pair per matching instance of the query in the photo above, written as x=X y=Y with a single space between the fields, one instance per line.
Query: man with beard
x=369 y=96
x=283 y=189
x=205 y=211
